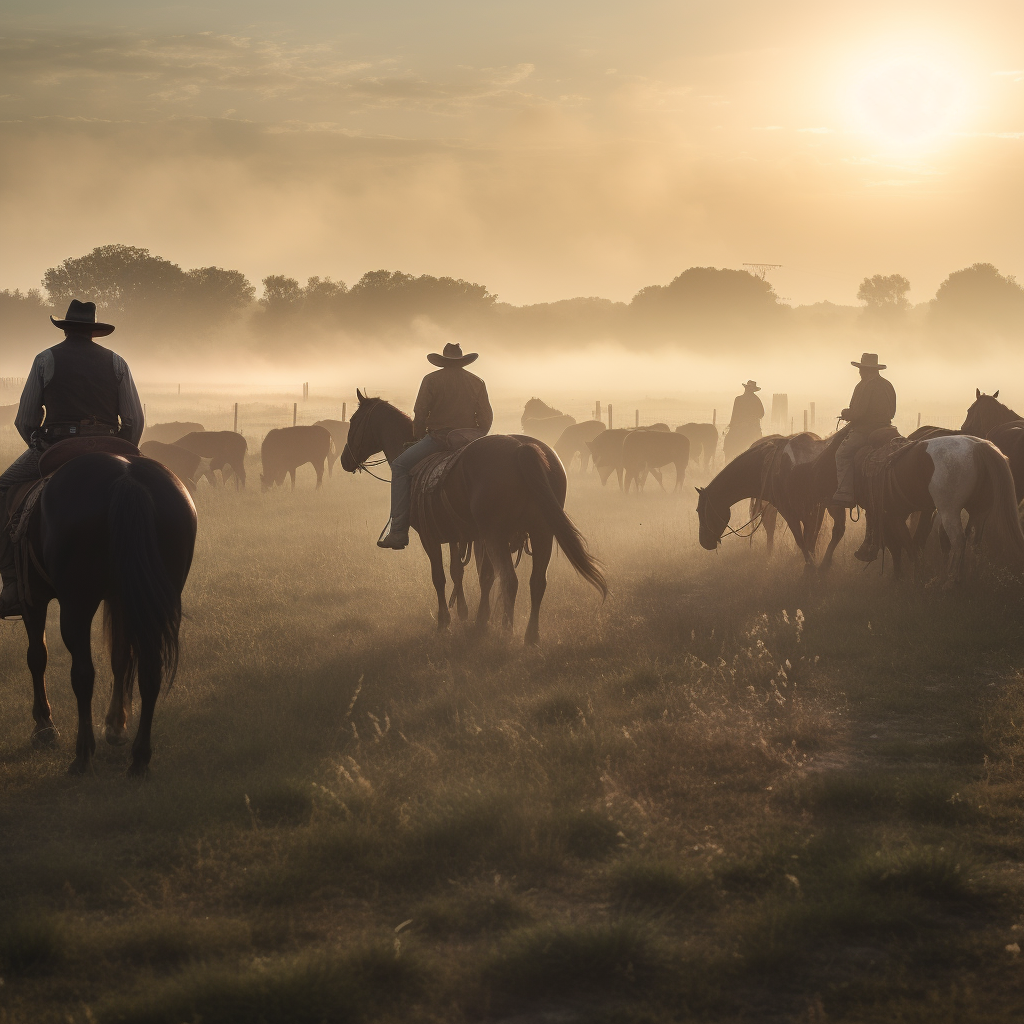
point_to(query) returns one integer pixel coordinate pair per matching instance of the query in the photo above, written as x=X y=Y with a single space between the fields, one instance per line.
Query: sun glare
x=905 y=101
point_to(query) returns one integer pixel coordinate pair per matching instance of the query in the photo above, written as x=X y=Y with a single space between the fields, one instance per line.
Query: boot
x=396 y=539
x=10 y=602
x=868 y=551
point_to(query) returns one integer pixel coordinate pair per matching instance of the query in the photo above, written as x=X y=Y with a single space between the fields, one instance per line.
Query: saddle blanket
x=431 y=513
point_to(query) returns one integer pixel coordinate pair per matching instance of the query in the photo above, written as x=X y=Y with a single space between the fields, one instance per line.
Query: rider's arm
x=421 y=410
x=30 y=409
x=484 y=414
x=129 y=406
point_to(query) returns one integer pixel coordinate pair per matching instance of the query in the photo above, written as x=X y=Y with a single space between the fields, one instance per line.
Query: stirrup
x=382 y=541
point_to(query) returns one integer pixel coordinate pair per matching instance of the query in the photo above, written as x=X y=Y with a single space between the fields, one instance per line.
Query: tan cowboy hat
x=452 y=356
x=81 y=319
x=869 y=361
x=751 y=384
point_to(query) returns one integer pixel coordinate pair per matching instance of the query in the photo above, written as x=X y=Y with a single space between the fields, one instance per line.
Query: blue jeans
x=400 y=483
x=23 y=469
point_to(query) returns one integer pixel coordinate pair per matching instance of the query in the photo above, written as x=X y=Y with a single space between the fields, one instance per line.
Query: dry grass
x=691 y=802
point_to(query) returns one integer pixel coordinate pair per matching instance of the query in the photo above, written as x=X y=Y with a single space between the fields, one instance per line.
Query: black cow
x=222 y=448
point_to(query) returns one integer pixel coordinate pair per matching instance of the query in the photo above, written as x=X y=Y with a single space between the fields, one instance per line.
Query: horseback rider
x=872 y=406
x=86 y=391
x=449 y=399
x=745 y=424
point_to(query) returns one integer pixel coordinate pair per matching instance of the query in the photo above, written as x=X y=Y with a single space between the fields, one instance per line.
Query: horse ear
x=360 y=396
x=996 y=395
x=977 y=392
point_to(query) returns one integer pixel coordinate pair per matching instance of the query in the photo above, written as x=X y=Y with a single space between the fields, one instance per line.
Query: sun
x=904 y=101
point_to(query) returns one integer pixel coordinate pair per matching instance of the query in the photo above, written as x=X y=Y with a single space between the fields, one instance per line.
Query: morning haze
x=553 y=477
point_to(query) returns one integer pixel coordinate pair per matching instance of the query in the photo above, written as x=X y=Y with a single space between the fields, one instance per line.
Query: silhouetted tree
x=885 y=295
x=979 y=297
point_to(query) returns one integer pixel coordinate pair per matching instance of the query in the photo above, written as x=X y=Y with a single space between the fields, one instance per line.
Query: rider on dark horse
x=87 y=391
x=872 y=406
x=451 y=398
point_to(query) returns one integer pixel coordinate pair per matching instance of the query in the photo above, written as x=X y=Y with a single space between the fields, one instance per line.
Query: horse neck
x=742 y=478
x=394 y=429
x=999 y=415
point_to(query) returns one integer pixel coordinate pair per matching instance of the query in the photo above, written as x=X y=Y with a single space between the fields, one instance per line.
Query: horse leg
x=770 y=519
x=501 y=559
x=44 y=734
x=123 y=668
x=898 y=537
x=319 y=475
x=150 y=671
x=457 y=571
x=954 y=531
x=486 y=573
x=838 y=514
x=76 y=630
x=618 y=473
x=656 y=473
x=542 y=541
x=291 y=473
x=796 y=528
x=680 y=477
x=440 y=582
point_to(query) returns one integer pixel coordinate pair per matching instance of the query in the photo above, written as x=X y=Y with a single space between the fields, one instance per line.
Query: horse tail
x=144 y=607
x=1002 y=526
x=534 y=468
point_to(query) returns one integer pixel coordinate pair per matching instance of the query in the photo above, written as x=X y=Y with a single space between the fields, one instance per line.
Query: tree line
x=152 y=297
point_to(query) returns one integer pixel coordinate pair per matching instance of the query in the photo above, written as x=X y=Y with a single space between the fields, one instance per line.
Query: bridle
x=363 y=466
x=757 y=520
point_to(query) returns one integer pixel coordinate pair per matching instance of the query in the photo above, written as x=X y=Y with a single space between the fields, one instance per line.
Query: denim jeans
x=23 y=469
x=400 y=483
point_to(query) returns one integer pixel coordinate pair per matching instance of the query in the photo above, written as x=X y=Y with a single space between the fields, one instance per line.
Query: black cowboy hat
x=868 y=361
x=452 y=356
x=81 y=319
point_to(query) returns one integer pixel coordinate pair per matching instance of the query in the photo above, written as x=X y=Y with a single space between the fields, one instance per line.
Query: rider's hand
x=845 y=414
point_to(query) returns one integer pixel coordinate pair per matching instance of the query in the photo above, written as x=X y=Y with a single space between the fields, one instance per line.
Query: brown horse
x=998 y=423
x=507 y=490
x=796 y=475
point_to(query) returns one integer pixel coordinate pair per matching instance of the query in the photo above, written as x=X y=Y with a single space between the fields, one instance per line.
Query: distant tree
x=885 y=295
x=707 y=296
x=979 y=297
x=27 y=327
x=219 y=292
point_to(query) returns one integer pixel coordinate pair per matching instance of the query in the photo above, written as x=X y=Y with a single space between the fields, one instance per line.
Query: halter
x=364 y=465
x=767 y=465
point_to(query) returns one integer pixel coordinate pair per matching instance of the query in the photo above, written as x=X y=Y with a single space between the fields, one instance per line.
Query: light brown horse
x=507 y=490
x=795 y=475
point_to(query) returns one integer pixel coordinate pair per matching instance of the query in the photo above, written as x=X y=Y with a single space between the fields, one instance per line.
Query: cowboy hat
x=751 y=384
x=81 y=319
x=869 y=361
x=452 y=356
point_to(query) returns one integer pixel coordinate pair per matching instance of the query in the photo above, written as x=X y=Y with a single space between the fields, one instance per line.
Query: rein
x=767 y=466
x=364 y=465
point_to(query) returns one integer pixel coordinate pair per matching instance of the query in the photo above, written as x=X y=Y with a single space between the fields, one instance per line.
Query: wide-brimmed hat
x=81 y=319
x=869 y=361
x=751 y=384
x=452 y=356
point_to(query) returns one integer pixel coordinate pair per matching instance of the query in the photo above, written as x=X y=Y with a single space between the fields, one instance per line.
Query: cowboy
x=872 y=406
x=86 y=390
x=451 y=398
x=745 y=425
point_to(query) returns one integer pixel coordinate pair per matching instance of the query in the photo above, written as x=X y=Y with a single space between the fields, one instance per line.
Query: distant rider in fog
x=745 y=424
x=449 y=399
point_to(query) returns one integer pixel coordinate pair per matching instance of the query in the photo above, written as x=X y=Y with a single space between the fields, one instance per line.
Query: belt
x=58 y=431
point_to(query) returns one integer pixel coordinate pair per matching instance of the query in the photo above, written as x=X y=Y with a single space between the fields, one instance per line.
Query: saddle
x=884 y=448
x=430 y=511
x=23 y=500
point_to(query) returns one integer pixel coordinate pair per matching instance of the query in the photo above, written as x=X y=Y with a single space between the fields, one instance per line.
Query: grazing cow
x=222 y=448
x=703 y=442
x=180 y=461
x=606 y=449
x=338 y=430
x=574 y=440
x=287 y=448
x=644 y=450
x=168 y=433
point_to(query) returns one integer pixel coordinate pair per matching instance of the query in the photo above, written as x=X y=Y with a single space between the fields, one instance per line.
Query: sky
x=547 y=150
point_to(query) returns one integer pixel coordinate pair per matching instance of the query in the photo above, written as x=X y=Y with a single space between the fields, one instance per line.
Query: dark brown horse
x=796 y=475
x=119 y=530
x=998 y=423
x=506 y=489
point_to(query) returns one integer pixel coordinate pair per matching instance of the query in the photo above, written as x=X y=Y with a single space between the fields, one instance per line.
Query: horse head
x=359 y=444
x=985 y=414
x=712 y=519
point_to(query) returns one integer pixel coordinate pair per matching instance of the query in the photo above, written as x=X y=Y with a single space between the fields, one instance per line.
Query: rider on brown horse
x=872 y=406
x=451 y=398
x=86 y=390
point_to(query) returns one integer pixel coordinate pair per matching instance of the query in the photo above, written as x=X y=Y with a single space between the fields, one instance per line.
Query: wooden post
x=597 y=409
x=344 y=409
x=812 y=415
x=235 y=427
x=179 y=389
x=609 y=415
x=637 y=418
x=805 y=421
x=919 y=419
x=791 y=430
x=714 y=417
x=295 y=413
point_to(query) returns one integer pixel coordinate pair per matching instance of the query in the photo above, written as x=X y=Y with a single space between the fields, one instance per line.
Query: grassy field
x=732 y=792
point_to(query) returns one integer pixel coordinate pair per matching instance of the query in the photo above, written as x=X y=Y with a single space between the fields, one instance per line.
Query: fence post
x=637 y=418
x=609 y=415
x=295 y=413
x=235 y=427
x=812 y=415
x=805 y=421
x=597 y=409
x=344 y=409
x=791 y=429
x=919 y=419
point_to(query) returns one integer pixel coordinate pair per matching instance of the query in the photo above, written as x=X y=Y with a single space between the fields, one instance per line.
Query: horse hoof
x=115 y=737
x=45 y=737
x=138 y=770
x=80 y=766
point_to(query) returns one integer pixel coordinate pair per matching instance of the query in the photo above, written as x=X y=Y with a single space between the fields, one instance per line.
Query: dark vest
x=83 y=387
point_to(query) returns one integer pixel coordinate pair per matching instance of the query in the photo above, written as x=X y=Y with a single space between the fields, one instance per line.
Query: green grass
x=686 y=801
